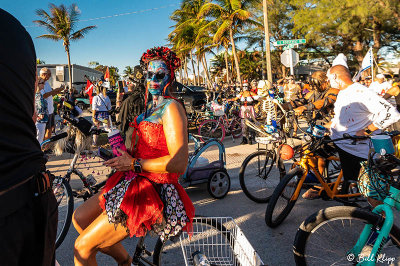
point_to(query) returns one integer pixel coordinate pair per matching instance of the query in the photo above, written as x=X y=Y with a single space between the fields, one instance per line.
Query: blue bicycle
x=345 y=235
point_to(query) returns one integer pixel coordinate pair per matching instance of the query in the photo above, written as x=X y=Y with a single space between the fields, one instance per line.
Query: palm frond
x=53 y=37
x=46 y=25
x=81 y=33
x=240 y=14
x=236 y=4
x=207 y=8
x=222 y=29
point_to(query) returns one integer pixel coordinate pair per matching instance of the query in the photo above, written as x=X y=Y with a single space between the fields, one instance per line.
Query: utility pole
x=266 y=32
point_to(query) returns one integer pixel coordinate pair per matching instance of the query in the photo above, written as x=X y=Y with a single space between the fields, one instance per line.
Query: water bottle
x=116 y=142
x=91 y=180
x=199 y=259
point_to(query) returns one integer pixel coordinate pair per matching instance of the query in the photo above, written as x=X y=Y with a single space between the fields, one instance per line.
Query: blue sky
x=117 y=41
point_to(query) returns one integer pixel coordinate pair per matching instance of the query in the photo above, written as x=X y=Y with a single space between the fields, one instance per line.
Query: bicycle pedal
x=80 y=193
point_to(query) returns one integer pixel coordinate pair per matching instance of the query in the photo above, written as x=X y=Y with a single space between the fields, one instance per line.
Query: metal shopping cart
x=221 y=241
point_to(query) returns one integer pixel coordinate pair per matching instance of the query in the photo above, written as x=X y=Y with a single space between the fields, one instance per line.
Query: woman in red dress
x=144 y=194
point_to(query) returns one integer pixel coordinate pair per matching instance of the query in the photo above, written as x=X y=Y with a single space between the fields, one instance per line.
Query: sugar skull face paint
x=157 y=77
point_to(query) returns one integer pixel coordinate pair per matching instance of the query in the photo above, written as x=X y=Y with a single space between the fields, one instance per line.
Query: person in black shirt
x=133 y=104
x=28 y=215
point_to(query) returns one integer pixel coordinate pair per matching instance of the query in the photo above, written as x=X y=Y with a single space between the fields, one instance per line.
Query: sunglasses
x=159 y=75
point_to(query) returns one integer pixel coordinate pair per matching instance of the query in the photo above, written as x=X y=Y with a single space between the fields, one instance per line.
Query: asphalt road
x=273 y=245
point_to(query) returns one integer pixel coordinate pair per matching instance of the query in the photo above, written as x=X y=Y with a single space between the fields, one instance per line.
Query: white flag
x=366 y=63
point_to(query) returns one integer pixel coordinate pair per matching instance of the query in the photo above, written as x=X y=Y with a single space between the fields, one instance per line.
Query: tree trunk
x=198 y=70
x=180 y=75
x=205 y=71
x=186 y=70
x=358 y=51
x=69 y=68
x=193 y=70
x=235 y=56
x=227 y=65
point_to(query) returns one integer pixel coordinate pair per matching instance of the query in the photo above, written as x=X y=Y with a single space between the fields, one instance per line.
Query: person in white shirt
x=48 y=94
x=358 y=111
x=380 y=86
x=101 y=105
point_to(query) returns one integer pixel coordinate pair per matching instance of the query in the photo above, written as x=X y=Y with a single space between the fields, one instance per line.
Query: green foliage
x=347 y=26
x=61 y=23
x=114 y=76
x=128 y=71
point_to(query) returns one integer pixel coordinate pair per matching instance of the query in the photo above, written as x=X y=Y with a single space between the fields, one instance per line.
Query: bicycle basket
x=220 y=240
x=373 y=183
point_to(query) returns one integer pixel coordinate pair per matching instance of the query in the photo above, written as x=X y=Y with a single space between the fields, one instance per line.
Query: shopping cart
x=220 y=240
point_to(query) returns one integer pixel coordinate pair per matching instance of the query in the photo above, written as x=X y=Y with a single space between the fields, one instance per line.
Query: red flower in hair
x=164 y=53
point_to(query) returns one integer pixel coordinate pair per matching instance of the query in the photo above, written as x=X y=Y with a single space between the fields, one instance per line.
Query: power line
x=118 y=15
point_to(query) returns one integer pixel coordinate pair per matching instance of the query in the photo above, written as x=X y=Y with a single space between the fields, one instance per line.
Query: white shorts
x=40 y=130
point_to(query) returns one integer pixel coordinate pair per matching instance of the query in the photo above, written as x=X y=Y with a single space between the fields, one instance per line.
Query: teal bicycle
x=344 y=235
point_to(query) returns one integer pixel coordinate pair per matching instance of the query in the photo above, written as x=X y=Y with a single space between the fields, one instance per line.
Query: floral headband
x=170 y=58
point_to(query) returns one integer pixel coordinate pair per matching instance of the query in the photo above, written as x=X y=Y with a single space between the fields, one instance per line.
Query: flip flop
x=311 y=194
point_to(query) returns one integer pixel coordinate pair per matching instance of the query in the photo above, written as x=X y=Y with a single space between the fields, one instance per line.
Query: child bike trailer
x=200 y=170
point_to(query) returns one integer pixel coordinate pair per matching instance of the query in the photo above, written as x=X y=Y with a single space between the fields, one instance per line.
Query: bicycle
x=62 y=189
x=358 y=236
x=288 y=191
x=257 y=167
x=218 y=128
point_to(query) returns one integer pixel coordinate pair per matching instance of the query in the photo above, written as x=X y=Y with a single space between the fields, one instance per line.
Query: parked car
x=193 y=97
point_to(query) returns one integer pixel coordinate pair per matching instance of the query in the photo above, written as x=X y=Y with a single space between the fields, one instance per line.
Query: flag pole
x=372 y=63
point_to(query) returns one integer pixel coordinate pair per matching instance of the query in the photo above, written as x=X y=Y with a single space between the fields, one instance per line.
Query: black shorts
x=28 y=227
x=50 y=123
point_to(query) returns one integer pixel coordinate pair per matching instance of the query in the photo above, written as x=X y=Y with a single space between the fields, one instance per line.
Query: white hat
x=341 y=59
x=262 y=83
x=380 y=76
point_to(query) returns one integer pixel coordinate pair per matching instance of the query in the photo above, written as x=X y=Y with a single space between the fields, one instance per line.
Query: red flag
x=89 y=90
x=107 y=75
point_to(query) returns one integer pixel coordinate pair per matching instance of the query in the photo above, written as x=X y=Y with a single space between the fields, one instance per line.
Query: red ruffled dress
x=137 y=201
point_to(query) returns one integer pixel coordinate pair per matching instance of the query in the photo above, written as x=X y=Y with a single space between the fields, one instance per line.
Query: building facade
x=60 y=75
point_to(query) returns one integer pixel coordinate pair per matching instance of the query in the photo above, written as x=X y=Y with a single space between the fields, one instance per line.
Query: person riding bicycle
x=247 y=100
x=358 y=111
x=144 y=194
x=321 y=97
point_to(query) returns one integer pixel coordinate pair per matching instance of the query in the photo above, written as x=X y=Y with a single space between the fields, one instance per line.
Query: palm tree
x=60 y=24
x=128 y=71
x=230 y=16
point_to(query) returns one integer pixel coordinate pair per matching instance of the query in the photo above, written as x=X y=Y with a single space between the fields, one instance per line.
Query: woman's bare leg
x=95 y=137
x=100 y=234
x=85 y=214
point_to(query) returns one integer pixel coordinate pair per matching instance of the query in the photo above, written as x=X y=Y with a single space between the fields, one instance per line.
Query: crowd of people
x=144 y=194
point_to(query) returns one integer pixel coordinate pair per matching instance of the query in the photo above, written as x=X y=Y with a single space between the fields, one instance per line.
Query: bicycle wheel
x=236 y=129
x=65 y=201
x=207 y=233
x=283 y=199
x=257 y=178
x=327 y=236
x=212 y=129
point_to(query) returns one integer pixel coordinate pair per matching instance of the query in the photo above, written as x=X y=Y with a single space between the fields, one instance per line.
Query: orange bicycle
x=327 y=183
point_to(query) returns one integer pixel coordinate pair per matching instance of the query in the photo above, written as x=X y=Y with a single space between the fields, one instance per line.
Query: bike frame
x=309 y=162
x=385 y=209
